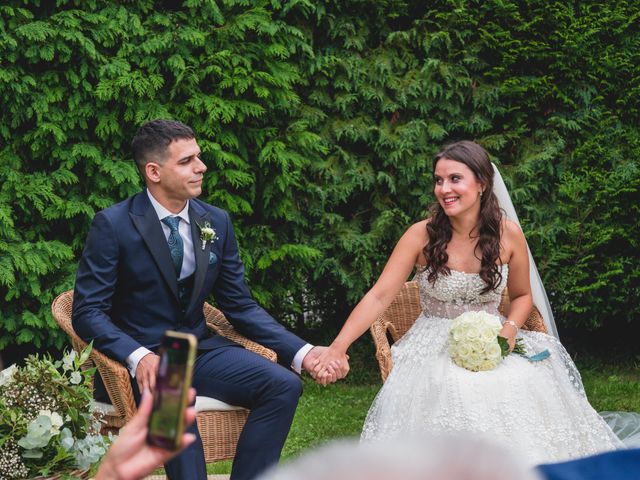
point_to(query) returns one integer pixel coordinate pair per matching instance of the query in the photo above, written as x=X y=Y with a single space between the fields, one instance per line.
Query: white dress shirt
x=188 y=267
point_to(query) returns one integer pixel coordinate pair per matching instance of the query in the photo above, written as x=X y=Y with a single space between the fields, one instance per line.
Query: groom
x=148 y=266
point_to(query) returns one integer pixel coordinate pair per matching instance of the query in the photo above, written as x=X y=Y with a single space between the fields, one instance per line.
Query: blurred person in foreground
x=448 y=457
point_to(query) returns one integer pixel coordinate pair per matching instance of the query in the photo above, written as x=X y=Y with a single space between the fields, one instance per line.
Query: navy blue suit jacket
x=615 y=465
x=126 y=292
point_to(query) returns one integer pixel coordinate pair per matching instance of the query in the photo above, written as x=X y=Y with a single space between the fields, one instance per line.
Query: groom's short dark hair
x=152 y=139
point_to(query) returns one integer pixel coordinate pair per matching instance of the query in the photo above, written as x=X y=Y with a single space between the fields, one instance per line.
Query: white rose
x=493 y=350
x=487 y=365
x=464 y=351
x=473 y=332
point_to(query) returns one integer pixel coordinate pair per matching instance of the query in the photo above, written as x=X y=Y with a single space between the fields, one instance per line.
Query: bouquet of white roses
x=47 y=421
x=474 y=342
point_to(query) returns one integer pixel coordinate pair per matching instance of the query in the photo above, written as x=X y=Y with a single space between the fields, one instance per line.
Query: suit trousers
x=240 y=377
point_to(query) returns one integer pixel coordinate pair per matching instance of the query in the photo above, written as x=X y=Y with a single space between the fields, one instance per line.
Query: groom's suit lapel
x=197 y=218
x=145 y=219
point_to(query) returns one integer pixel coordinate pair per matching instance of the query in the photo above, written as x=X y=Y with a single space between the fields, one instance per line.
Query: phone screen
x=173 y=380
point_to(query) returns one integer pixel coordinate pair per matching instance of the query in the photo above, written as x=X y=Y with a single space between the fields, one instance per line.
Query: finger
x=187 y=439
x=192 y=395
x=140 y=419
x=336 y=366
x=330 y=375
x=142 y=385
x=151 y=378
x=318 y=369
x=189 y=415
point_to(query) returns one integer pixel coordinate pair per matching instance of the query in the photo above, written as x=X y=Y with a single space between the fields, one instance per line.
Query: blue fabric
x=127 y=295
x=176 y=245
x=615 y=465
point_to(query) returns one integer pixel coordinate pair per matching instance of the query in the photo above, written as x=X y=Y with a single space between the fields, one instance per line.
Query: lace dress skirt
x=538 y=410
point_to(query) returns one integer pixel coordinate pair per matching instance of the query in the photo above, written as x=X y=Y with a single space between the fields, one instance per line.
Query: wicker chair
x=219 y=424
x=404 y=310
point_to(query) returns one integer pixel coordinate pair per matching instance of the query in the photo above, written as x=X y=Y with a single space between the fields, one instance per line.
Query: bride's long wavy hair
x=488 y=229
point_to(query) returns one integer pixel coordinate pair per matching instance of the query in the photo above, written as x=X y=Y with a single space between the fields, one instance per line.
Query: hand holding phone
x=130 y=457
x=177 y=355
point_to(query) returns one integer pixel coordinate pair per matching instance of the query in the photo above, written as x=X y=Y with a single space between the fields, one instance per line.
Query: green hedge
x=318 y=121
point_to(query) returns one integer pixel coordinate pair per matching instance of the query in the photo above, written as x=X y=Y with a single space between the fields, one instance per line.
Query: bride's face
x=456 y=188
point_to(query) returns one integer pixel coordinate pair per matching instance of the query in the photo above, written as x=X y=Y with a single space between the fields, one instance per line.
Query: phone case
x=173 y=442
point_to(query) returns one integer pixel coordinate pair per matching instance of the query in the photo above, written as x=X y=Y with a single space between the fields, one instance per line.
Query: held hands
x=327 y=364
x=146 y=372
x=130 y=457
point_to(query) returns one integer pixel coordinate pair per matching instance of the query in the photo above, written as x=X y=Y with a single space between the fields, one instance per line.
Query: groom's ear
x=152 y=172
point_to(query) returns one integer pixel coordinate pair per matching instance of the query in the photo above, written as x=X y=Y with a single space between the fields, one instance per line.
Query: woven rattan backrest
x=534 y=322
x=403 y=311
x=396 y=319
x=61 y=310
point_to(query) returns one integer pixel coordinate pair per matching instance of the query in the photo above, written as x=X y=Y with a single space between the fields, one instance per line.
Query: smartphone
x=177 y=354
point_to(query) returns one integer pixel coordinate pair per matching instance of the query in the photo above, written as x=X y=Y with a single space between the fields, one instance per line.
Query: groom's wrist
x=298 y=359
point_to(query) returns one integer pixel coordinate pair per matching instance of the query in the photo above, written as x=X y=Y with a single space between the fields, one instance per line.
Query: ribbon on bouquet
x=538 y=356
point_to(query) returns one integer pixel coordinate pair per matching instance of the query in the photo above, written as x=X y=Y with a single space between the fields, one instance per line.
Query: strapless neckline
x=452 y=270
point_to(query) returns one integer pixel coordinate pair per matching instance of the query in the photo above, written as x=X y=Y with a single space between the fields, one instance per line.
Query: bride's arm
x=379 y=297
x=518 y=282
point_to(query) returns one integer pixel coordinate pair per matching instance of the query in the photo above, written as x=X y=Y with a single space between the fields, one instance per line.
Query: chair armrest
x=378 y=331
x=117 y=382
x=114 y=375
x=217 y=322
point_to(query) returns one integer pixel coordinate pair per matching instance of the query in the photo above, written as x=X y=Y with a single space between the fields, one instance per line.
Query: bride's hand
x=330 y=362
x=509 y=333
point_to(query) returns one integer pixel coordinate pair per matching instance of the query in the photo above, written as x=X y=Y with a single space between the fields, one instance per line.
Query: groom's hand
x=146 y=372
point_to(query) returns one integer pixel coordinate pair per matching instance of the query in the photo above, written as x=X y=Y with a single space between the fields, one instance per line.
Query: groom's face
x=180 y=174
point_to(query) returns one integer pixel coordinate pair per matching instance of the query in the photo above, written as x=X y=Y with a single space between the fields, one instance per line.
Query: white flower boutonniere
x=207 y=234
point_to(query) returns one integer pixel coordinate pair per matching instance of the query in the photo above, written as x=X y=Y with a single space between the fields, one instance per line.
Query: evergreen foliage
x=318 y=121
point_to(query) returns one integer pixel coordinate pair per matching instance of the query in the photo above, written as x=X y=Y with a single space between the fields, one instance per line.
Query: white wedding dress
x=538 y=410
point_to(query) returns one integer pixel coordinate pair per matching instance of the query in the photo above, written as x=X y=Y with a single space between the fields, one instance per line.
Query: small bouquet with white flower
x=207 y=234
x=474 y=342
x=47 y=421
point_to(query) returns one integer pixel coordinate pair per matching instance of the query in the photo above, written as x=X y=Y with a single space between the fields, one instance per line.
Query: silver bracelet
x=513 y=324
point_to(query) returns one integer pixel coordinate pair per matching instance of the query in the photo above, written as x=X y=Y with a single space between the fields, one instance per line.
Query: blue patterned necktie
x=176 y=247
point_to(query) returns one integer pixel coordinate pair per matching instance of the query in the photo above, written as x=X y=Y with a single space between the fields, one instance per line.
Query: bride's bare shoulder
x=512 y=236
x=416 y=236
x=511 y=229
x=418 y=230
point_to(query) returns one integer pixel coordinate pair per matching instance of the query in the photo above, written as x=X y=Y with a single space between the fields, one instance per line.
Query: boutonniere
x=207 y=233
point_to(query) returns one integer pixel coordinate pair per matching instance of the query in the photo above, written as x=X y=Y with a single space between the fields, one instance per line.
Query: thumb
x=141 y=418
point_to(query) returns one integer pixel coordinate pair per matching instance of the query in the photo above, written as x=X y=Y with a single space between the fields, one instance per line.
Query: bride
x=466 y=253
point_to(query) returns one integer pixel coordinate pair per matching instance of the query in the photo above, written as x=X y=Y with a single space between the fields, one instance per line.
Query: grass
x=611 y=386
x=326 y=413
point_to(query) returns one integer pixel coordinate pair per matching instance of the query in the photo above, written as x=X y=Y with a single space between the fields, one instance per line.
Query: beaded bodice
x=459 y=292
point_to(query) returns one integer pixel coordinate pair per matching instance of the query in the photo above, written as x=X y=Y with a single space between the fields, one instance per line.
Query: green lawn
x=325 y=413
